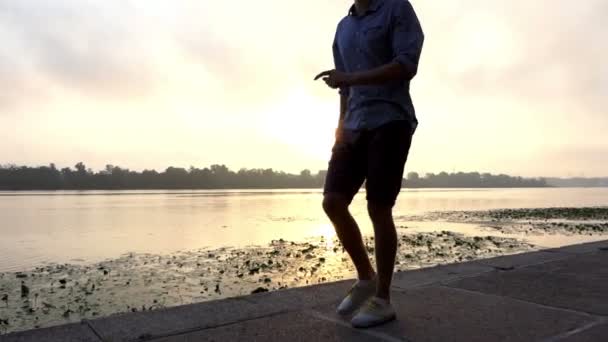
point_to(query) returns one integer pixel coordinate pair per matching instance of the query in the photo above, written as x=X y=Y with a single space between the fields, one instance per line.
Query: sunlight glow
x=304 y=122
x=484 y=41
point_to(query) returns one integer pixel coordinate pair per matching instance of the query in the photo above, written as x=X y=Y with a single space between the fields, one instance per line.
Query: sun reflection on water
x=327 y=234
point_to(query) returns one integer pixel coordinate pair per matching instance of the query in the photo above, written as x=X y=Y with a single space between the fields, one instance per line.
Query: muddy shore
x=61 y=293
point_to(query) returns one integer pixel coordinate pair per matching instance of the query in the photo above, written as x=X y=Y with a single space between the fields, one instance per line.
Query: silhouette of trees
x=80 y=177
x=578 y=182
x=471 y=180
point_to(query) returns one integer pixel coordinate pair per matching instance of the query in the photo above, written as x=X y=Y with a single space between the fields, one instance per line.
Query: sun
x=303 y=121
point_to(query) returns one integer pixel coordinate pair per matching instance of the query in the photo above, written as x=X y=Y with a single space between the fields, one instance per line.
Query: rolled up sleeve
x=407 y=37
x=339 y=63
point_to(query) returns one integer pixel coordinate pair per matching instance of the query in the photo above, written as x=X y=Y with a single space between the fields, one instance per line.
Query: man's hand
x=336 y=79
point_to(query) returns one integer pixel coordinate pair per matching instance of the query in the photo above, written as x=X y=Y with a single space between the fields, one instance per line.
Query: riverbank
x=551 y=295
x=63 y=293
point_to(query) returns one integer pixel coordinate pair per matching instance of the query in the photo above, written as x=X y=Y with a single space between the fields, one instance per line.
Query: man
x=376 y=51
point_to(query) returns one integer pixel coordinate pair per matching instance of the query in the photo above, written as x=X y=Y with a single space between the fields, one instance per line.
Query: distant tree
x=220 y=177
x=413 y=176
x=81 y=168
x=109 y=168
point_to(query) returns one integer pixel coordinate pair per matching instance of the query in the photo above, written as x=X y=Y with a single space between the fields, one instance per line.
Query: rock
x=48 y=306
x=308 y=250
x=25 y=291
x=67 y=313
x=259 y=290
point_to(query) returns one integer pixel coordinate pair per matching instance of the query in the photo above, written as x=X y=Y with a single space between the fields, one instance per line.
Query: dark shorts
x=375 y=156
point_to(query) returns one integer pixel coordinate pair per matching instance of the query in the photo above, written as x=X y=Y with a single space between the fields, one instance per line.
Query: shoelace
x=373 y=306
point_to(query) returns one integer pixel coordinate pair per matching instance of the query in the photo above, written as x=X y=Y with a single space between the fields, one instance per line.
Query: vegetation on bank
x=80 y=177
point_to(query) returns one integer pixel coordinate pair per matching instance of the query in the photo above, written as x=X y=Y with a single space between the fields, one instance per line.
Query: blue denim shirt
x=388 y=32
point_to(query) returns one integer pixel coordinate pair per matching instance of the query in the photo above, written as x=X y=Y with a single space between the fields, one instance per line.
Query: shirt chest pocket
x=375 y=38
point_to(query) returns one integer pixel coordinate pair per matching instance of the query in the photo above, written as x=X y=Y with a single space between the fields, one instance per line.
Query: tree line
x=80 y=177
x=471 y=180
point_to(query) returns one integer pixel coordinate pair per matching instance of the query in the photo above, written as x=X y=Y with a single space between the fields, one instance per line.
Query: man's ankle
x=384 y=296
x=367 y=276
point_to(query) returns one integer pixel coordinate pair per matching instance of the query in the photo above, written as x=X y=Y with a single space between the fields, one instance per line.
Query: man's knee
x=379 y=212
x=335 y=204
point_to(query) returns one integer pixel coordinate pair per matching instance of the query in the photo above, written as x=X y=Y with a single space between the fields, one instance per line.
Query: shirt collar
x=374 y=5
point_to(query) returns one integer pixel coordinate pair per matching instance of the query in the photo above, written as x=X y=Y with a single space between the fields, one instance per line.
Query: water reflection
x=39 y=227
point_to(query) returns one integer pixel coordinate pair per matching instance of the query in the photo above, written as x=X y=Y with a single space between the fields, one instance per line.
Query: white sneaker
x=357 y=296
x=377 y=311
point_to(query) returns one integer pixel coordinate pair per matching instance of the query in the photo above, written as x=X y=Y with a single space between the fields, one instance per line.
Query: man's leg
x=336 y=207
x=385 y=246
x=345 y=176
x=387 y=153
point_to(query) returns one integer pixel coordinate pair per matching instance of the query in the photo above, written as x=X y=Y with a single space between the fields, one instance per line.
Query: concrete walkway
x=552 y=295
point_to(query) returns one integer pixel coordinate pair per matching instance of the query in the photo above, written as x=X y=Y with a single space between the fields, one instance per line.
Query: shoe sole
x=354 y=308
x=375 y=324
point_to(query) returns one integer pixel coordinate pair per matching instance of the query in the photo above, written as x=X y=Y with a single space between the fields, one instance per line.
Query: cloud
x=489 y=69
x=91 y=48
x=120 y=50
x=540 y=49
x=530 y=51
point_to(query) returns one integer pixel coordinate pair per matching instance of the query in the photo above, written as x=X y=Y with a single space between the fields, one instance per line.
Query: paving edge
x=448 y=273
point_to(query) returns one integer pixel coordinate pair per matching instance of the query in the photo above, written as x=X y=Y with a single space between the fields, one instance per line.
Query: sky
x=516 y=87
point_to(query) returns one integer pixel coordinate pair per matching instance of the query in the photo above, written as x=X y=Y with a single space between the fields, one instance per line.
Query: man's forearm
x=387 y=73
x=343 y=108
x=390 y=72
